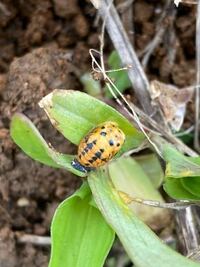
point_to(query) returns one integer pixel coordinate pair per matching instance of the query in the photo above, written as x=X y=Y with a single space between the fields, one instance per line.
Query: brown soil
x=44 y=45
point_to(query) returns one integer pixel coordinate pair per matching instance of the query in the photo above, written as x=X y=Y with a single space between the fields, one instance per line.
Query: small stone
x=23 y=202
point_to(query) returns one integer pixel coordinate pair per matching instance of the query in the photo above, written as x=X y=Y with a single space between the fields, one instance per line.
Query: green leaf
x=192 y=184
x=151 y=166
x=75 y=113
x=178 y=165
x=175 y=189
x=120 y=78
x=143 y=247
x=91 y=86
x=186 y=138
x=28 y=138
x=128 y=177
x=80 y=235
x=187 y=169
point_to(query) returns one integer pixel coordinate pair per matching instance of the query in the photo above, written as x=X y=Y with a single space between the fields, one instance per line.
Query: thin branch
x=124 y=103
x=188 y=230
x=178 y=205
x=166 y=19
x=171 y=47
x=33 y=239
x=187 y=131
x=124 y=5
x=4 y=9
x=196 y=133
x=126 y=10
x=195 y=254
x=167 y=135
x=187 y=2
x=131 y=109
x=141 y=147
x=127 y=55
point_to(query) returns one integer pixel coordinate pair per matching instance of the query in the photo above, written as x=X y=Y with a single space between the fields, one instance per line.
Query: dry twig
x=167 y=135
x=187 y=2
x=127 y=54
x=196 y=133
x=188 y=232
x=166 y=19
x=124 y=103
x=142 y=77
x=126 y=11
x=33 y=239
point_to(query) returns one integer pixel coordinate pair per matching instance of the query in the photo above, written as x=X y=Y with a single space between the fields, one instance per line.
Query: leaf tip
x=16 y=119
x=46 y=101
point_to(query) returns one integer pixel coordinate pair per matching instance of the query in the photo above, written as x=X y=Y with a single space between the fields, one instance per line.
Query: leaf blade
x=129 y=178
x=178 y=165
x=175 y=189
x=155 y=174
x=28 y=138
x=192 y=184
x=75 y=227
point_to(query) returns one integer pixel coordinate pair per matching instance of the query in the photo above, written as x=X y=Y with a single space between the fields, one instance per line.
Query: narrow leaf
x=80 y=235
x=143 y=247
x=28 y=138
